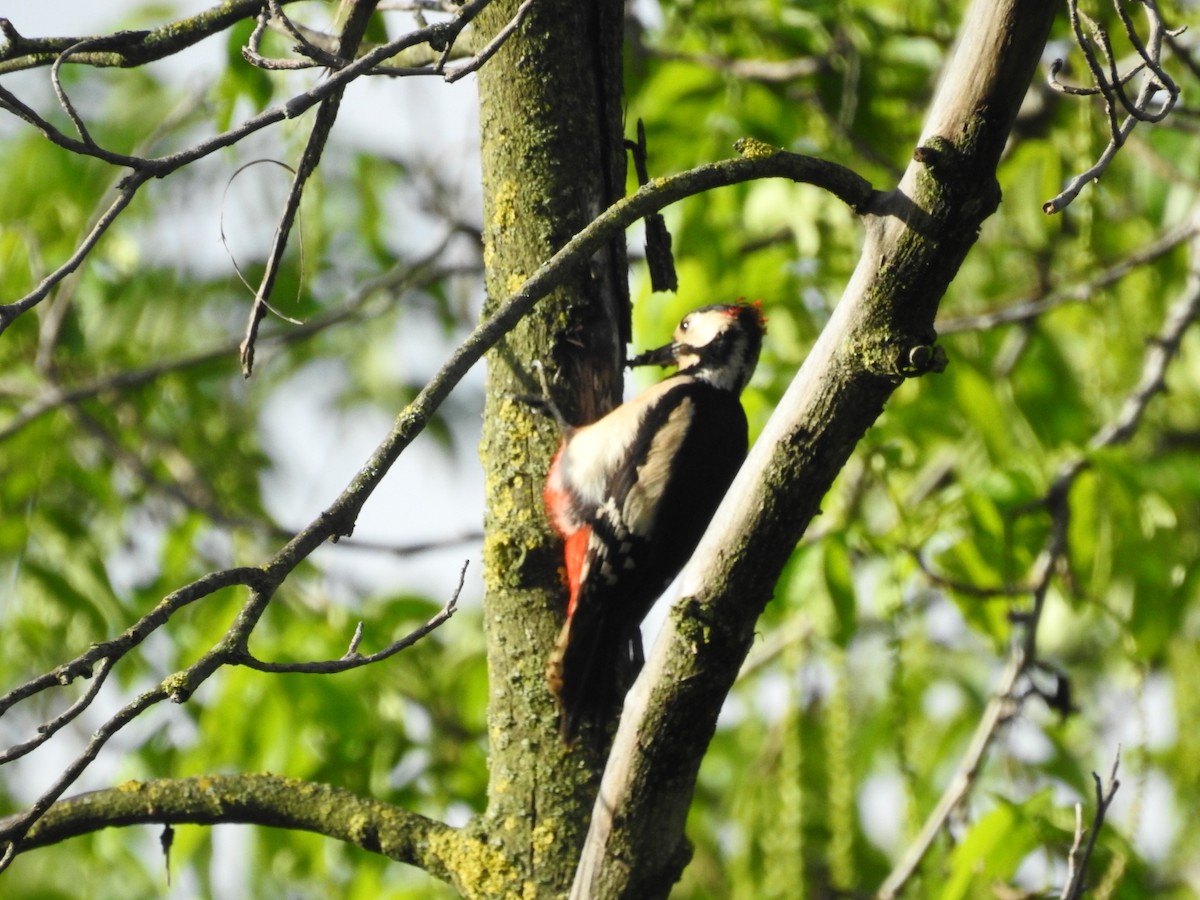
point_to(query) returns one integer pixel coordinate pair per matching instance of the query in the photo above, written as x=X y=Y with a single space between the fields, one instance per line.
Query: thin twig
x=348 y=41
x=352 y=659
x=145 y=169
x=489 y=50
x=9 y=312
x=48 y=729
x=17 y=827
x=60 y=92
x=1028 y=308
x=84 y=665
x=1111 y=87
x=1077 y=868
x=400 y=279
x=130 y=48
x=982 y=592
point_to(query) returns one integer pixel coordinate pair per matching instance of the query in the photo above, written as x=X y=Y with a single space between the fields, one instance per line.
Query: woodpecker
x=631 y=495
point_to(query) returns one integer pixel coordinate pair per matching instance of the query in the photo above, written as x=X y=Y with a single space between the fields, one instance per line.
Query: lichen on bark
x=550 y=116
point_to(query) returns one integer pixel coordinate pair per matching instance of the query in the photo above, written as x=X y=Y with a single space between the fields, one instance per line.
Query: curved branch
x=82 y=666
x=352 y=659
x=257 y=799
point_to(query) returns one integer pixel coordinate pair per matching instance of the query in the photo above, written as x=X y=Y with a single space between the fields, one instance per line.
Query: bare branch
x=253 y=799
x=48 y=729
x=145 y=169
x=1162 y=350
x=352 y=659
x=125 y=49
x=90 y=44
x=16 y=827
x=982 y=592
x=489 y=50
x=1077 y=866
x=1111 y=87
x=10 y=311
x=84 y=665
x=351 y=36
x=1028 y=308
x=400 y=279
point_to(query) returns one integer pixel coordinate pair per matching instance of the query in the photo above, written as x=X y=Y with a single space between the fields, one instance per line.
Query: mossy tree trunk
x=553 y=158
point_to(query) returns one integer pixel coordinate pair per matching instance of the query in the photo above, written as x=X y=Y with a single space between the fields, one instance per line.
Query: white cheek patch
x=702 y=329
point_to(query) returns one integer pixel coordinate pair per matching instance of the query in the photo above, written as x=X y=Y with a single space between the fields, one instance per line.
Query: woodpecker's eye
x=683 y=326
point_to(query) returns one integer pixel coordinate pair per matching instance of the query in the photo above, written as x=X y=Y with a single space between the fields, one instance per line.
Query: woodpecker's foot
x=535 y=401
x=547 y=402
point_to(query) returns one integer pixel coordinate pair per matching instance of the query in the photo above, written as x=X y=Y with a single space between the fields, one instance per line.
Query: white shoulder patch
x=595 y=452
x=641 y=506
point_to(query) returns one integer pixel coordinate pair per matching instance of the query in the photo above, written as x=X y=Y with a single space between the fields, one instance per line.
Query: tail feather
x=593 y=663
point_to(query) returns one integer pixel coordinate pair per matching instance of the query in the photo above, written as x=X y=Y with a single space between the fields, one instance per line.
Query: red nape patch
x=757 y=306
x=575 y=551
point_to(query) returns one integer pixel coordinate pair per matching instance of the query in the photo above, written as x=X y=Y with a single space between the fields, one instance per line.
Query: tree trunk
x=553 y=158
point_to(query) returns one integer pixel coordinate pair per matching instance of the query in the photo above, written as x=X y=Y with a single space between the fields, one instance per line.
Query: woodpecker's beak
x=663 y=356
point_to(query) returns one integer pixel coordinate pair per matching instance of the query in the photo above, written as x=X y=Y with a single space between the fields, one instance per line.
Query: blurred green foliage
x=870 y=674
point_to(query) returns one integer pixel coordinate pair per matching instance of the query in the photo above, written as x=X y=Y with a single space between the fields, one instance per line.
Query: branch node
x=178 y=687
x=923 y=359
x=936 y=153
x=753 y=148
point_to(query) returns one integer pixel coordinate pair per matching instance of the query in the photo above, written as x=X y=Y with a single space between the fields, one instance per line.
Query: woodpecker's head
x=718 y=344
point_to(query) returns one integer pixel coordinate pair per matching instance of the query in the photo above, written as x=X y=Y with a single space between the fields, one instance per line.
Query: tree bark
x=553 y=159
x=881 y=332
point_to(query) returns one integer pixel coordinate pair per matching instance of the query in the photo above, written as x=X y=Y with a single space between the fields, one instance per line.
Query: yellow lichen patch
x=177 y=686
x=504 y=209
x=130 y=787
x=360 y=827
x=543 y=840
x=514 y=281
x=752 y=148
x=477 y=869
